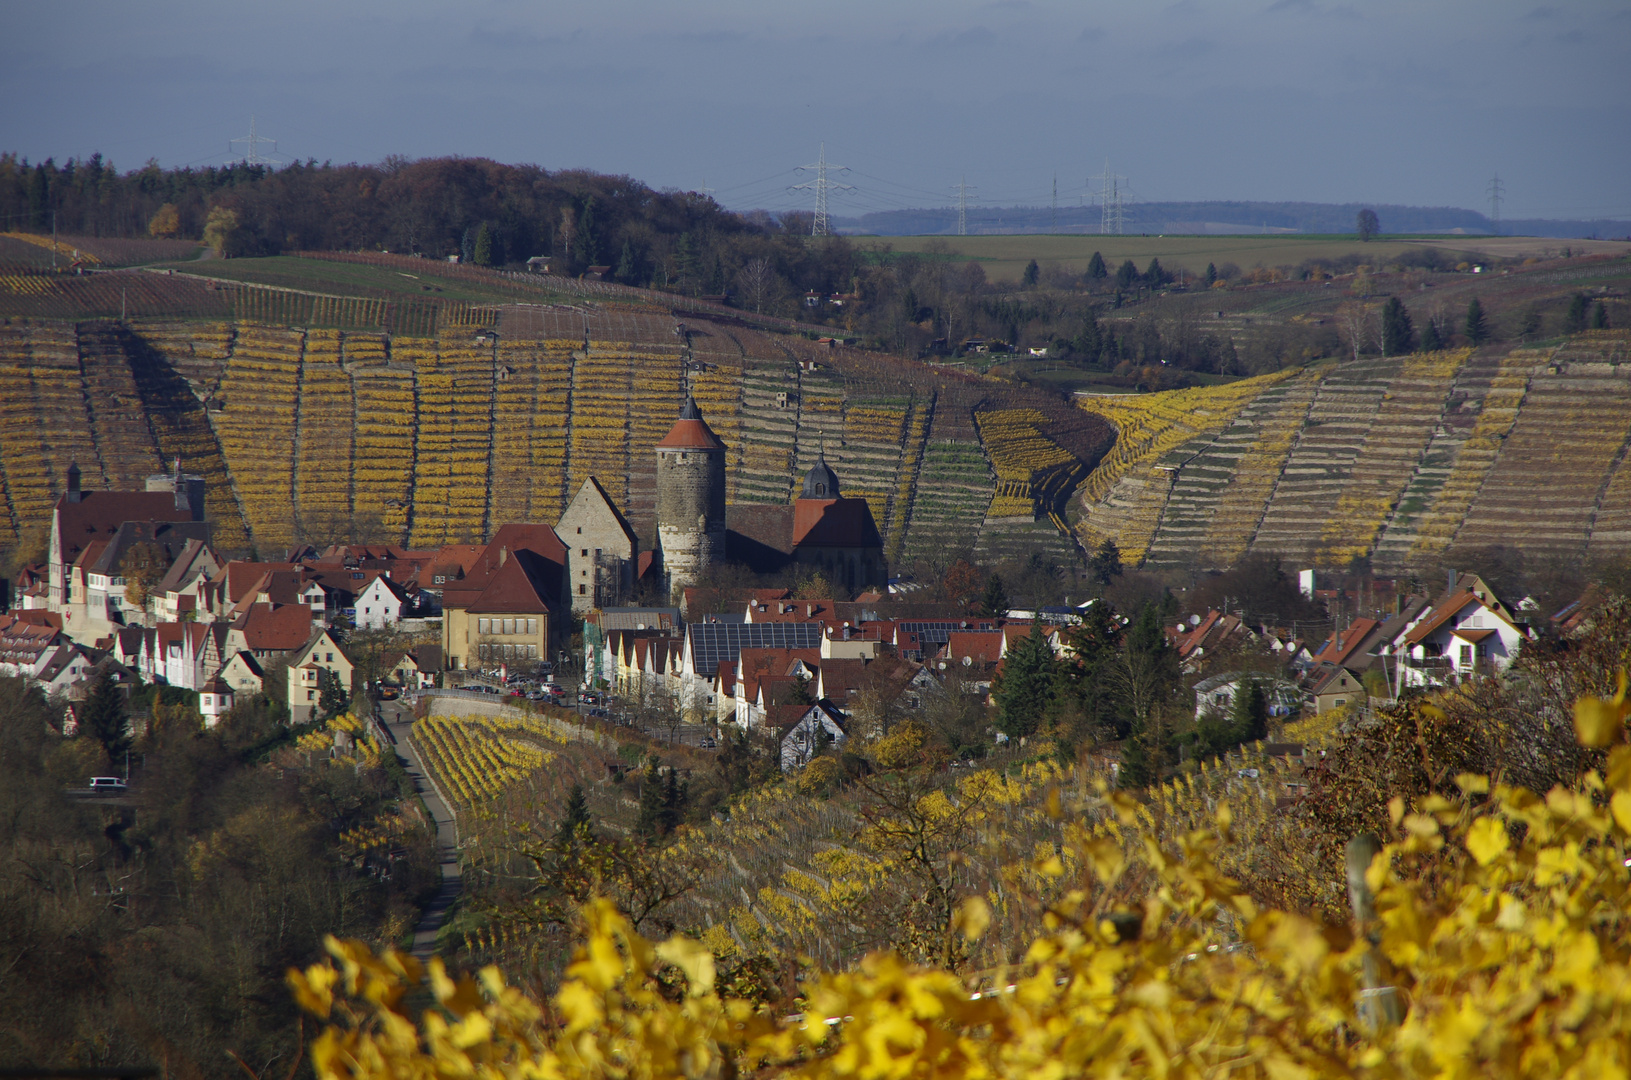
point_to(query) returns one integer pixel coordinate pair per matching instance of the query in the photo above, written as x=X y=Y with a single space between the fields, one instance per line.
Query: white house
x=1462 y=636
x=214 y=701
x=805 y=730
x=243 y=674
x=322 y=653
x=382 y=605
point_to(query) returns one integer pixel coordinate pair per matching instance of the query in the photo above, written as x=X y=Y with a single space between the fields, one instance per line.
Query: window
x=532 y=627
x=580 y=530
x=328 y=658
x=1339 y=702
x=532 y=652
x=583 y=590
x=1466 y=656
x=481 y=626
x=509 y=626
x=583 y=552
x=311 y=695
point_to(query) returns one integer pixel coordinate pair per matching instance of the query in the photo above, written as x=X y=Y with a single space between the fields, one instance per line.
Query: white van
x=107 y=783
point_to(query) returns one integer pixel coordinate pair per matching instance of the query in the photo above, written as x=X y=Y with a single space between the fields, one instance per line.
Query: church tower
x=690 y=498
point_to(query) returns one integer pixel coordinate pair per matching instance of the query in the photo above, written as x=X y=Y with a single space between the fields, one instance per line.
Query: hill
x=316 y=416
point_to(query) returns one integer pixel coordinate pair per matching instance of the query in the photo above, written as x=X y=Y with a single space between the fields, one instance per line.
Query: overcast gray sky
x=1382 y=101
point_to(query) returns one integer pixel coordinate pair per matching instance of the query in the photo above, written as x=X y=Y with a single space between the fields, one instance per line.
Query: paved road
x=398 y=719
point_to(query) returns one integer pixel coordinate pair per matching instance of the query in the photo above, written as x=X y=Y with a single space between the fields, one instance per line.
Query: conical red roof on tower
x=690 y=431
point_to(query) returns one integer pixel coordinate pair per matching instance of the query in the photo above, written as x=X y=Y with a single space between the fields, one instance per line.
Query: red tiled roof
x=100 y=513
x=521 y=585
x=842 y=523
x=984 y=646
x=690 y=435
x=276 y=629
x=1340 y=646
x=1443 y=613
x=240 y=575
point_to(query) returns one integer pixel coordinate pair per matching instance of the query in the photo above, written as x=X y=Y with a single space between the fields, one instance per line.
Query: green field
x=1004 y=257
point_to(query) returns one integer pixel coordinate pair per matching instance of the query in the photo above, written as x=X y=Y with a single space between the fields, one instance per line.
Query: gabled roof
x=196 y=559
x=521 y=586
x=169 y=537
x=281 y=628
x=1447 y=610
x=98 y=515
x=985 y=647
x=593 y=495
x=240 y=575
x=1343 y=645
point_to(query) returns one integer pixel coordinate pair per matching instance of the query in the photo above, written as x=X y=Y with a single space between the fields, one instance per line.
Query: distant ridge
x=1221 y=218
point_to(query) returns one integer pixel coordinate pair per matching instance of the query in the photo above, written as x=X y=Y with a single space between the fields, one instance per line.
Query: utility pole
x=962 y=206
x=820 y=226
x=1496 y=192
x=1054 y=227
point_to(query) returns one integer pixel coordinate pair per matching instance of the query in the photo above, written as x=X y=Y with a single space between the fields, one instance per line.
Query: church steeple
x=821 y=482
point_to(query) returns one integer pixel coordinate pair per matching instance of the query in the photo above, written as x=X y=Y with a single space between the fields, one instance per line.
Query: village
x=134 y=590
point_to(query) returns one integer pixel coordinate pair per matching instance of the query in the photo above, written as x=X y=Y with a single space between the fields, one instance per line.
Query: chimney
x=503 y=555
x=74 y=494
x=1451 y=587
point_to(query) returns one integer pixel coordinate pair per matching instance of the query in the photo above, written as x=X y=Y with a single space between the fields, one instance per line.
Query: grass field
x=1004 y=257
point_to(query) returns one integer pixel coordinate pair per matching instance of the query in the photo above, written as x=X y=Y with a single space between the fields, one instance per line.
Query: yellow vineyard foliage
x=1500 y=932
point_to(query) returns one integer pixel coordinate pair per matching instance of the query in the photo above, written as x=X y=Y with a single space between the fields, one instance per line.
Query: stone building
x=602 y=549
x=690 y=498
x=822 y=530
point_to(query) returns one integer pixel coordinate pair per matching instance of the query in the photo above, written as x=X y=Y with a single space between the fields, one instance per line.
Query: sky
x=1376 y=101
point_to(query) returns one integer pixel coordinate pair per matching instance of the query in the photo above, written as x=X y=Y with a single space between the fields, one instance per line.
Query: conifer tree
x=1096 y=270
x=1430 y=341
x=1106 y=562
x=673 y=805
x=1211 y=275
x=1155 y=276
x=649 y=823
x=576 y=818
x=483 y=254
x=1249 y=718
x=994 y=601
x=1031 y=273
x=1477 y=329
x=1025 y=688
x=1126 y=275
x=1398 y=336
x=1575 y=320
x=626 y=264
x=104 y=717
x=1599 y=316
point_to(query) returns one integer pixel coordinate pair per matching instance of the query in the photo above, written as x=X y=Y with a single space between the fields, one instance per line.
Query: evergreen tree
x=1599 y=316
x=1575 y=320
x=1477 y=329
x=1025 y=687
x=1154 y=276
x=673 y=807
x=332 y=696
x=1211 y=275
x=626 y=270
x=576 y=819
x=587 y=238
x=1398 y=336
x=1430 y=341
x=105 y=718
x=1105 y=563
x=1031 y=273
x=1096 y=270
x=994 y=601
x=1085 y=677
x=1126 y=275
x=483 y=253
x=649 y=823
x=1249 y=718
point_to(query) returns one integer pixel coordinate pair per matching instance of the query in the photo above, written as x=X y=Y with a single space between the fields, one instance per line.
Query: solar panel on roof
x=712 y=643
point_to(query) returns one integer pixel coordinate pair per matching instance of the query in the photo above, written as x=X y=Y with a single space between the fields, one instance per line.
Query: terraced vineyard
x=308 y=435
x=1402 y=461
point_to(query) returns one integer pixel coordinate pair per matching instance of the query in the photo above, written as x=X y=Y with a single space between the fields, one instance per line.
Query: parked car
x=708 y=742
x=106 y=783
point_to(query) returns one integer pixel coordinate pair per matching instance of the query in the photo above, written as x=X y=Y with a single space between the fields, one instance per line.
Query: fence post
x=1378 y=1004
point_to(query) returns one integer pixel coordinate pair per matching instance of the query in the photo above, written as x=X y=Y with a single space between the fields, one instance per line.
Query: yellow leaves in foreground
x=1503 y=923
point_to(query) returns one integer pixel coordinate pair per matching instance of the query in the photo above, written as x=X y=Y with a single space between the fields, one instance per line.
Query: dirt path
x=398 y=720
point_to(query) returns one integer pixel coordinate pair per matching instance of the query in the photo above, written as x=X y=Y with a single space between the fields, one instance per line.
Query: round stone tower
x=690 y=498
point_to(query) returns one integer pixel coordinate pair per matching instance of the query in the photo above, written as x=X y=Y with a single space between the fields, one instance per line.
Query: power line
x=822 y=185
x=1054 y=226
x=1496 y=191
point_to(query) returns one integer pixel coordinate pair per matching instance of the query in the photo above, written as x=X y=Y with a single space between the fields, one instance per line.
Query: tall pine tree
x=105 y=717
x=1096 y=270
x=1024 y=688
x=1398 y=336
x=649 y=824
x=1477 y=328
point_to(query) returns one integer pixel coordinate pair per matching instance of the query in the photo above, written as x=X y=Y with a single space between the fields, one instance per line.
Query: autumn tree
x=165 y=223
x=221 y=230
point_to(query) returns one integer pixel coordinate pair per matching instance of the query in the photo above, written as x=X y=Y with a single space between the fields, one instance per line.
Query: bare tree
x=1355 y=323
x=759 y=282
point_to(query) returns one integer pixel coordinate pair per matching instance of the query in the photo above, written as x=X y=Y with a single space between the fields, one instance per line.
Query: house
x=81 y=517
x=189 y=590
x=382 y=604
x=243 y=673
x=417 y=668
x=1328 y=686
x=184 y=646
x=602 y=549
x=215 y=700
x=708 y=644
x=322 y=653
x=804 y=731
x=542 y=264
x=822 y=530
x=1216 y=695
x=504 y=607
x=131 y=566
x=269 y=632
x=1463 y=635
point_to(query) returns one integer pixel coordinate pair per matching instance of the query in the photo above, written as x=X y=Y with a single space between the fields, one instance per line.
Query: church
x=696 y=531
